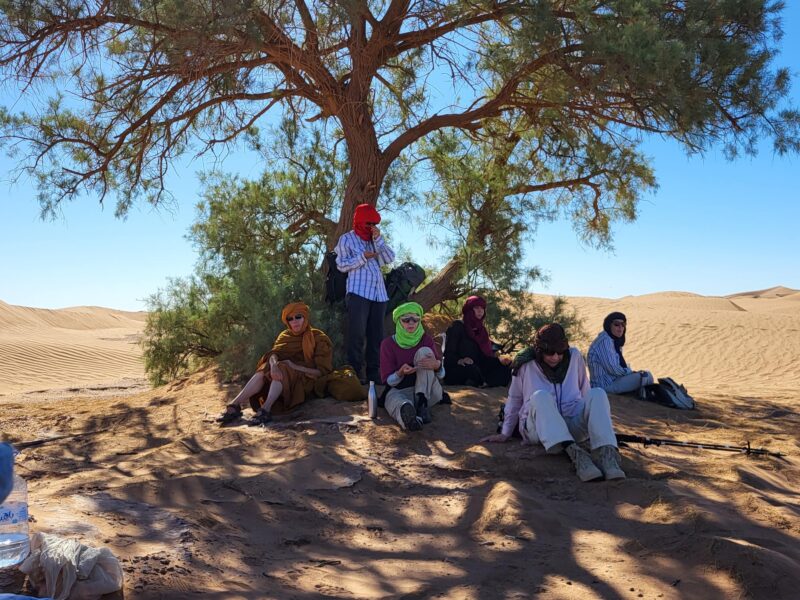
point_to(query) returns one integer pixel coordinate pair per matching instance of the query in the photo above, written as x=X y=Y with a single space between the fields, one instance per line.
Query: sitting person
x=411 y=368
x=607 y=366
x=550 y=402
x=285 y=375
x=468 y=355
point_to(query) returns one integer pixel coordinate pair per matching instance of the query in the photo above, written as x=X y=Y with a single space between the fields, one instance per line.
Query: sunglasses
x=618 y=323
x=409 y=319
x=296 y=317
x=553 y=352
x=370 y=224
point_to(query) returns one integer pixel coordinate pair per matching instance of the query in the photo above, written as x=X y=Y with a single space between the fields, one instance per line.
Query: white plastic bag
x=68 y=570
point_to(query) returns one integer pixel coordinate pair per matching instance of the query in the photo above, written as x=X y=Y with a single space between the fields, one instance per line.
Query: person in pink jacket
x=550 y=402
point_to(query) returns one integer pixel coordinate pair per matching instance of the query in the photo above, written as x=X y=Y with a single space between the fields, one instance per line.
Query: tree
x=255 y=256
x=555 y=93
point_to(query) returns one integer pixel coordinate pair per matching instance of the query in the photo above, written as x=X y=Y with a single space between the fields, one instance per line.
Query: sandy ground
x=361 y=510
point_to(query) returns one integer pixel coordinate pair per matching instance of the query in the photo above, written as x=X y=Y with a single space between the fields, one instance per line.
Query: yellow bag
x=342 y=384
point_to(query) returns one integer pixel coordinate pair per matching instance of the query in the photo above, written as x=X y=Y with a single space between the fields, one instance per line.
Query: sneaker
x=233 y=412
x=409 y=417
x=607 y=457
x=262 y=417
x=584 y=467
x=422 y=408
x=445 y=399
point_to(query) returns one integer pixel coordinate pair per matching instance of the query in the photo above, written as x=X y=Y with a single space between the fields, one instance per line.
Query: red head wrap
x=365 y=213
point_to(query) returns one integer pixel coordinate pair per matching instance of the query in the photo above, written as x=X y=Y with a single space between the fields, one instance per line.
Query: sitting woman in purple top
x=550 y=402
x=411 y=367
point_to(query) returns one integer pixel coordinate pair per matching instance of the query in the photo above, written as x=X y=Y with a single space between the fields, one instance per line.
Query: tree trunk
x=367 y=167
x=442 y=287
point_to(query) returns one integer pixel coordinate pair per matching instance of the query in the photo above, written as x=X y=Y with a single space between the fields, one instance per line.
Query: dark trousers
x=489 y=371
x=365 y=323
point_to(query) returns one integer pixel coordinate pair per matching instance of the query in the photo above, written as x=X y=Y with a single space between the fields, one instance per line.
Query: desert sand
x=356 y=509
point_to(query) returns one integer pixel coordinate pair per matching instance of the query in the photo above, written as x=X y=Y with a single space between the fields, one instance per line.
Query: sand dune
x=312 y=509
x=746 y=346
x=42 y=349
x=773 y=292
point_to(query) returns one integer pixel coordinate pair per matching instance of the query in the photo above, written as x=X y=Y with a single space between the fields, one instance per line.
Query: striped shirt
x=603 y=361
x=364 y=277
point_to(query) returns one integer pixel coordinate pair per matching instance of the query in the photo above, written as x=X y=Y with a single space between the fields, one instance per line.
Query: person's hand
x=465 y=361
x=275 y=373
x=428 y=363
x=505 y=360
x=406 y=369
x=497 y=438
x=376 y=233
x=369 y=254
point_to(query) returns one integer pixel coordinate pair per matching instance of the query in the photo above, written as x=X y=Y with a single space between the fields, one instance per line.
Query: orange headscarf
x=299 y=308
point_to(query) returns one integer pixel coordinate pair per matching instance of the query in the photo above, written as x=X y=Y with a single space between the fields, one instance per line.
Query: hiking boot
x=445 y=399
x=233 y=412
x=584 y=467
x=262 y=417
x=607 y=457
x=422 y=408
x=409 y=417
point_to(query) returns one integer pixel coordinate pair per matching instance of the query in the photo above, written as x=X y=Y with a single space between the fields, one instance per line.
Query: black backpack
x=335 y=280
x=400 y=282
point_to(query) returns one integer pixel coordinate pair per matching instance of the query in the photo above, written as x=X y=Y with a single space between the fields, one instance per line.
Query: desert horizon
x=95 y=348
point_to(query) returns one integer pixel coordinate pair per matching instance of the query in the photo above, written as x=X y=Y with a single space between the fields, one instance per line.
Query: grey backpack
x=676 y=393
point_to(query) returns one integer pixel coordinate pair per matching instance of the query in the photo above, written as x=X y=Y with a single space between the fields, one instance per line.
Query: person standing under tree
x=361 y=253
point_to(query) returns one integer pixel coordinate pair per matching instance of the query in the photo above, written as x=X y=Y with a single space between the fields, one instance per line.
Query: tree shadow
x=369 y=511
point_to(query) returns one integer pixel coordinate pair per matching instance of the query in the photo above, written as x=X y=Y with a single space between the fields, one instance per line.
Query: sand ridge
x=43 y=349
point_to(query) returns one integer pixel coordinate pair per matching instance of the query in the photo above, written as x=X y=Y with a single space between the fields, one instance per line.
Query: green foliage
x=260 y=244
x=515 y=316
x=152 y=80
x=516 y=112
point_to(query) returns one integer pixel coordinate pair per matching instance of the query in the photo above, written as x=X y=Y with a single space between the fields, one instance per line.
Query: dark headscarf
x=548 y=338
x=619 y=342
x=476 y=330
x=365 y=213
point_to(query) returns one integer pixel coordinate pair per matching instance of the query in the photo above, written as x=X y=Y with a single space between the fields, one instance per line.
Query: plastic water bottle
x=14 y=541
x=372 y=401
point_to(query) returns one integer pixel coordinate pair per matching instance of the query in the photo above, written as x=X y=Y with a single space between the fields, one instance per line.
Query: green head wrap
x=402 y=337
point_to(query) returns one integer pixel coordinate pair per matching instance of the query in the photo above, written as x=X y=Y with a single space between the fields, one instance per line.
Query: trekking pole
x=648 y=441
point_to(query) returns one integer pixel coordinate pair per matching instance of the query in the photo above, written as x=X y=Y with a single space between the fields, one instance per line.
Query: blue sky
x=713 y=228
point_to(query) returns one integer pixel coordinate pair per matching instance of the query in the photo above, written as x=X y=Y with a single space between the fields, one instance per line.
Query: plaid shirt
x=364 y=277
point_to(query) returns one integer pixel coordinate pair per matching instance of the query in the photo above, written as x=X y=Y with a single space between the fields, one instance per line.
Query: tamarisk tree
x=521 y=108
